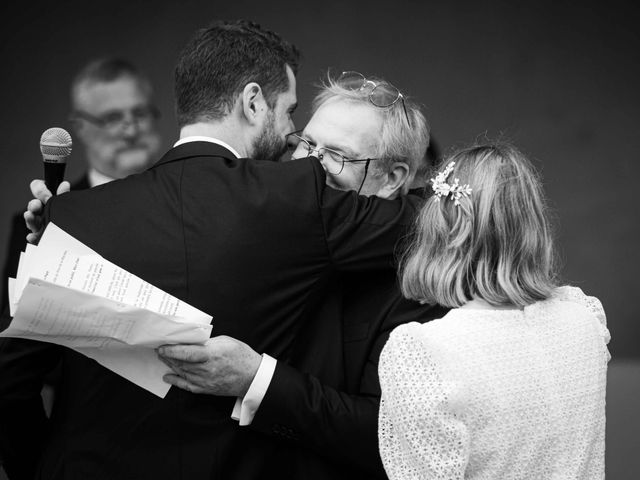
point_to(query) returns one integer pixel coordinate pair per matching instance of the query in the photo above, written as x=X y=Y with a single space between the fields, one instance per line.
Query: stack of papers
x=66 y=293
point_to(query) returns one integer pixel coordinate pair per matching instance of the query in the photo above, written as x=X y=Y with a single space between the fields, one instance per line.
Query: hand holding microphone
x=35 y=208
x=55 y=145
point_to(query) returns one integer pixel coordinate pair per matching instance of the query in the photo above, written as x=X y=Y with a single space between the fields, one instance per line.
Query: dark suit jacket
x=324 y=399
x=250 y=243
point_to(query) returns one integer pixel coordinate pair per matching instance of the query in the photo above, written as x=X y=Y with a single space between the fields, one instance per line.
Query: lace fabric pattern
x=486 y=394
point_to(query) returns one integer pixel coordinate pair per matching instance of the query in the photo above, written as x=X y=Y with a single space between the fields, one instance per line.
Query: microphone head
x=55 y=145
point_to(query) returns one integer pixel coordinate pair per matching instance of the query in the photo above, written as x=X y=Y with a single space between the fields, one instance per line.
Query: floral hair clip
x=444 y=189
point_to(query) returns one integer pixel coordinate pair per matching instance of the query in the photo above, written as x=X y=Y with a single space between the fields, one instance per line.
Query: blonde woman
x=510 y=384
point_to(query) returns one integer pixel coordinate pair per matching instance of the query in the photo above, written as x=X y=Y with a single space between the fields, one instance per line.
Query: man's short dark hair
x=221 y=60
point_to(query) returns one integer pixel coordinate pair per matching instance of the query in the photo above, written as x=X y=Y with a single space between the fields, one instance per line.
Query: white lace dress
x=497 y=394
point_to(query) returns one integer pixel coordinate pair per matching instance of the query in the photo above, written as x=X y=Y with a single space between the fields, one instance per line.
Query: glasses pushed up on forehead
x=115 y=121
x=382 y=94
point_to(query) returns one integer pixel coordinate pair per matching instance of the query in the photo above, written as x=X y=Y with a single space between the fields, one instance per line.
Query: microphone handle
x=53 y=175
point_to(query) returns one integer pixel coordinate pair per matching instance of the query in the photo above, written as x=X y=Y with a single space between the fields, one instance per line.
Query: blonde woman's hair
x=399 y=141
x=496 y=245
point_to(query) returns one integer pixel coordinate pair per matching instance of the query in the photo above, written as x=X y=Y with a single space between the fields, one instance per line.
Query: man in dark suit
x=250 y=242
x=113 y=119
x=323 y=397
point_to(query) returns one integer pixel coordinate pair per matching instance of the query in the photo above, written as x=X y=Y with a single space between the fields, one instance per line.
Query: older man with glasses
x=114 y=120
x=357 y=121
x=323 y=397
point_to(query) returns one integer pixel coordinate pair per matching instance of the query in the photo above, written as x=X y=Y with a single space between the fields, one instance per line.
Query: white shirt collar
x=96 y=178
x=200 y=138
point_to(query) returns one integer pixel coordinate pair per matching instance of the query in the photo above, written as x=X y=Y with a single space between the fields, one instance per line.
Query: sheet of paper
x=24 y=267
x=66 y=293
x=11 y=286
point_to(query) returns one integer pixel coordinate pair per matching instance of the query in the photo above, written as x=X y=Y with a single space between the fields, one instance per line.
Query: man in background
x=114 y=119
x=114 y=122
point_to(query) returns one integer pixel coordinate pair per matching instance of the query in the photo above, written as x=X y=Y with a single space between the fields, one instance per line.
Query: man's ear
x=396 y=178
x=254 y=105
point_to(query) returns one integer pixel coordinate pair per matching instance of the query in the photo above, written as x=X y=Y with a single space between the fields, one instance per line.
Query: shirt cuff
x=245 y=408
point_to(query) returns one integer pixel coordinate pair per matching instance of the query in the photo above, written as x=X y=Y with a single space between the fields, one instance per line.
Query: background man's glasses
x=382 y=95
x=333 y=161
x=116 y=121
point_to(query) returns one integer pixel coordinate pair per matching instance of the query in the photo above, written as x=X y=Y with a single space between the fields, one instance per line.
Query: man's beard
x=269 y=145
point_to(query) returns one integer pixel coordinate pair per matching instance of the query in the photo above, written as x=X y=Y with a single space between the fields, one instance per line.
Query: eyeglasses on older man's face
x=332 y=160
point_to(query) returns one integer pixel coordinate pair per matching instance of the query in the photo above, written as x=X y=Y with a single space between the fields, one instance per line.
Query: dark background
x=560 y=79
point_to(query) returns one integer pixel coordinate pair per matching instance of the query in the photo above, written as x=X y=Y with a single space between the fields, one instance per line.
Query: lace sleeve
x=576 y=295
x=419 y=433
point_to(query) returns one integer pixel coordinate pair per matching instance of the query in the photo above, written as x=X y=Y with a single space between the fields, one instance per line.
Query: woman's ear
x=254 y=105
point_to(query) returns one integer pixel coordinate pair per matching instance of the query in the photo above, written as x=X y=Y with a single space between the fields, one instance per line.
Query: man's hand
x=35 y=208
x=222 y=366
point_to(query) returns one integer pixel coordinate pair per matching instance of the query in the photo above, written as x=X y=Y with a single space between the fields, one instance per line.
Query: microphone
x=55 y=145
